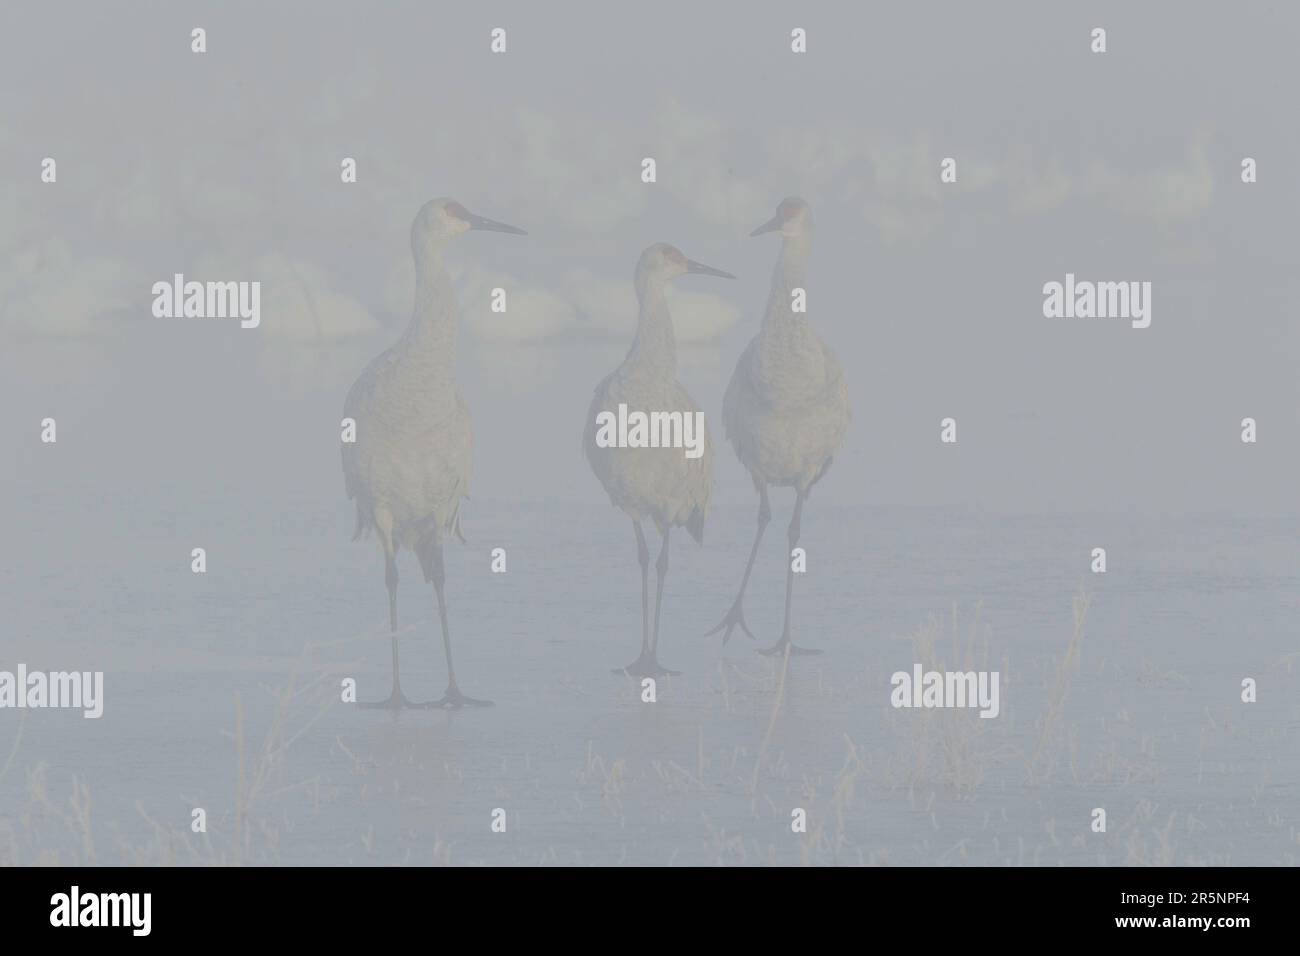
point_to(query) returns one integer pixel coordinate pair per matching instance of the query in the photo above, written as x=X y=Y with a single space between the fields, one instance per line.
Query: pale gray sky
x=1123 y=166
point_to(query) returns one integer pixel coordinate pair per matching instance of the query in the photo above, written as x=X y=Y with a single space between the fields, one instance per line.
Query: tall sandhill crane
x=410 y=464
x=662 y=484
x=786 y=409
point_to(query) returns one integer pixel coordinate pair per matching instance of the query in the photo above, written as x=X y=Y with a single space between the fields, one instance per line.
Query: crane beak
x=700 y=268
x=491 y=225
x=772 y=225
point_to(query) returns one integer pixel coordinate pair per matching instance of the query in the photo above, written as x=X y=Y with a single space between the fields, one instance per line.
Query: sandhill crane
x=786 y=408
x=410 y=464
x=662 y=484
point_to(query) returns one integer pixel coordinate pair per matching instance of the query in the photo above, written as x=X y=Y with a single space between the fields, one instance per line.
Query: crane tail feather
x=695 y=526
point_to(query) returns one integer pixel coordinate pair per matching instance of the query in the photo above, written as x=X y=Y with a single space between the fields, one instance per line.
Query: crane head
x=791 y=219
x=441 y=219
x=664 y=262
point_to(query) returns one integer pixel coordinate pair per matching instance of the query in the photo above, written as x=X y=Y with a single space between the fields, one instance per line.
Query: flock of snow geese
x=785 y=413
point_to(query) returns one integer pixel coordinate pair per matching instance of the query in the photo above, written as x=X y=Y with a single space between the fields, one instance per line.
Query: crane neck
x=654 y=342
x=789 y=274
x=431 y=336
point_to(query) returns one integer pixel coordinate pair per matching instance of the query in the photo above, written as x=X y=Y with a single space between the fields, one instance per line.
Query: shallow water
x=1150 y=723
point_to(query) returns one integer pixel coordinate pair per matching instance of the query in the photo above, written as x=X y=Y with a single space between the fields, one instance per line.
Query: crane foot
x=780 y=647
x=454 y=699
x=735 y=619
x=395 y=701
x=647 y=665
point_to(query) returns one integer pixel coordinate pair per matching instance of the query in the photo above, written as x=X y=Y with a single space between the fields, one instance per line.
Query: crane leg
x=396 y=700
x=434 y=568
x=736 y=616
x=643 y=558
x=785 y=645
x=647 y=665
x=390 y=579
